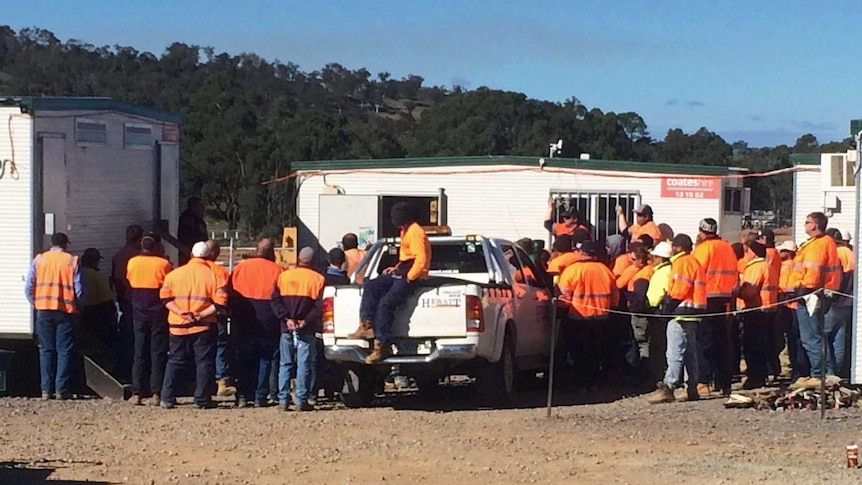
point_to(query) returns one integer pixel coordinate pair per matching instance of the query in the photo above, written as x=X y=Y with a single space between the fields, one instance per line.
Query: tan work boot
x=365 y=330
x=155 y=399
x=662 y=394
x=135 y=400
x=224 y=388
x=703 y=390
x=379 y=353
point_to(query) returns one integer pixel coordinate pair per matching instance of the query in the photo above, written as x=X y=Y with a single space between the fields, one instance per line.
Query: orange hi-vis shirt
x=687 y=283
x=353 y=257
x=845 y=257
x=146 y=274
x=816 y=266
x=773 y=258
x=414 y=256
x=589 y=287
x=718 y=260
x=625 y=278
x=219 y=270
x=561 y=229
x=296 y=293
x=251 y=285
x=55 y=282
x=758 y=286
x=193 y=287
x=783 y=277
x=622 y=262
x=650 y=229
x=644 y=273
x=561 y=262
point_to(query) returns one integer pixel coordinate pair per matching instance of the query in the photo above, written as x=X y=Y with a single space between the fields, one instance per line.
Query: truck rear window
x=454 y=257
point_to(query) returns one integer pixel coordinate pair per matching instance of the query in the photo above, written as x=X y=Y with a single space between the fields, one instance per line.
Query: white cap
x=787 y=246
x=663 y=250
x=845 y=235
x=200 y=250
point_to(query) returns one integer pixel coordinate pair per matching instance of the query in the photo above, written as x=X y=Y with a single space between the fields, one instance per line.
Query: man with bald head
x=224 y=379
x=255 y=327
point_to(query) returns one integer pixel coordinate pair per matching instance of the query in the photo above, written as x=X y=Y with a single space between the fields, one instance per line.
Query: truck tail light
x=475 y=315
x=328 y=315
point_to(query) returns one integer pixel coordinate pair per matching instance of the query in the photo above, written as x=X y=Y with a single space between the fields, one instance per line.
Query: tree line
x=246 y=119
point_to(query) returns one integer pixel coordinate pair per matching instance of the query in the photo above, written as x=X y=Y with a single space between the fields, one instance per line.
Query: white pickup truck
x=484 y=312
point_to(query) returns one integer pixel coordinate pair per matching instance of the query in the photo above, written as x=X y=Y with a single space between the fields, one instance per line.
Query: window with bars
x=90 y=131
x=599 y=209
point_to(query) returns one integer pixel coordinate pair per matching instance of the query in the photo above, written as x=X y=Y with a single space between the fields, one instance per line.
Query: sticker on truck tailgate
x=437 y=302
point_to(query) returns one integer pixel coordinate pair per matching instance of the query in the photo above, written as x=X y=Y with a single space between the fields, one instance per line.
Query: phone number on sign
x=687 y=194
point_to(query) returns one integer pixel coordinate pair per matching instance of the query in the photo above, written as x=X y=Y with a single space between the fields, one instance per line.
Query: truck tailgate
x=429 y=312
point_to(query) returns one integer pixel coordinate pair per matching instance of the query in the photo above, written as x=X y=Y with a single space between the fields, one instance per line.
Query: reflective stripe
x=55 y=284
x=711 y=272
x=204 y=299
x=719 y=295
x=592 y=295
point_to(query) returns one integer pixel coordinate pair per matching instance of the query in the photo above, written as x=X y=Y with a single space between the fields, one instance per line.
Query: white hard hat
x=845 y=235
x=200 y=250
x=663 y=250
x=787 y=246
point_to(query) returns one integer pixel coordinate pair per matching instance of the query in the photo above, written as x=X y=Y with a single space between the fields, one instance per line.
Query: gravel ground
x=411 y=439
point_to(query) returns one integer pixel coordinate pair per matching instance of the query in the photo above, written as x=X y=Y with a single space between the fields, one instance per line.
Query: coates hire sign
x=690 y=187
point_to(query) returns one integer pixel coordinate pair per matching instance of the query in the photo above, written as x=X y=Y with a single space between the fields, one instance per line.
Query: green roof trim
x=73 y=103
x=805 y=158
x=454 y=162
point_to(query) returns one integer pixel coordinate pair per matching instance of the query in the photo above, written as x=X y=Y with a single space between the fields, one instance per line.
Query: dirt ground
x=414 y=439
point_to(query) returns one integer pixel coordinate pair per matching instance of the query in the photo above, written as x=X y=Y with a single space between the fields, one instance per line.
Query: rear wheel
x=358 y=388
x=495 y=382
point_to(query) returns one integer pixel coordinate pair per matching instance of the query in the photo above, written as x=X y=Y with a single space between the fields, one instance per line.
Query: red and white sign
x=690 y=187
x=171 y=132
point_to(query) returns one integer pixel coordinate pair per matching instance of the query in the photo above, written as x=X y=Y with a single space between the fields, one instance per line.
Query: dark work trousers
x=151 y=352
x=775 y=342
x=584 y=345
x=381 y=296
x=125 y=342
x=714 y=345
x=199 y=348
x=224 y=350
x=618 y=340
x=657 y=335
x=255 y=365
x=756 y=344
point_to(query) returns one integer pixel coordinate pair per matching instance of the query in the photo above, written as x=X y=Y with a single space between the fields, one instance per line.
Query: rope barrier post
x=821 y=328
x=554 y=329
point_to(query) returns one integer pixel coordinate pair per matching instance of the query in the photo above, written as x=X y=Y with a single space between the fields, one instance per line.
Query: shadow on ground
x=14 y=473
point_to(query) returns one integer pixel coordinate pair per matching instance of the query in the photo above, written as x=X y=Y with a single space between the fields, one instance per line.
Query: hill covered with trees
x=246 y=119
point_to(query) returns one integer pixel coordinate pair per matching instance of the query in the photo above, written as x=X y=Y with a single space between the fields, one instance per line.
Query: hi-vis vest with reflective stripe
x=718 y=260
x=759 y=286
x=816 y=265
x=55 y=282
x=688 y=283
x=193 y=287
x=590 y=287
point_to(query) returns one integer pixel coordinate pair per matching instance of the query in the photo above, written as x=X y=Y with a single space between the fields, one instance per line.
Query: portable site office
x=505 y=196
x=88 y=167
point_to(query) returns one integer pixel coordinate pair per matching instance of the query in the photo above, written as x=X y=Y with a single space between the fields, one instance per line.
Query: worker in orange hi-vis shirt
x=757 y=293
x=224 y=345
x=193 y=295
x=644 y=223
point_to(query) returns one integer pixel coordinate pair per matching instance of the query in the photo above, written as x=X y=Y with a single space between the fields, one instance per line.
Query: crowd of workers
x=176 y=319
x=647 y=302
x=686 y=311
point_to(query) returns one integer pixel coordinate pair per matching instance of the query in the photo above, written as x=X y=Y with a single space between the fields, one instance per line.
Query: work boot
x=47 y=396
x=662 y=394
x=703 y=390
x=692 y=394
x=365 y=330
x=155 y=399
x=135 y=400
x=379 y=353
x=224 y=388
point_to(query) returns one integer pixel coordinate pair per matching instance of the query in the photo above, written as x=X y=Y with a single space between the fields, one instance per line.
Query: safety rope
x=699 y=315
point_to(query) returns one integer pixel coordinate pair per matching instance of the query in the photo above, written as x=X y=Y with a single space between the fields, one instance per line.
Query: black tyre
x=495 y=382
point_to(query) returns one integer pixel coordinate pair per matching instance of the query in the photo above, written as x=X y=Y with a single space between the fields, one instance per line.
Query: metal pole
x=230 y=260
x=554 y=329
x=853 y=326
x=821 y=328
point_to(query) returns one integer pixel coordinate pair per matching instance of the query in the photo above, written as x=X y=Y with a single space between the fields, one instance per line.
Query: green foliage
x=246 y=120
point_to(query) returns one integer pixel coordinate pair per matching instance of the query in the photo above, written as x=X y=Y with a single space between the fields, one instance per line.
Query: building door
x=51 y=190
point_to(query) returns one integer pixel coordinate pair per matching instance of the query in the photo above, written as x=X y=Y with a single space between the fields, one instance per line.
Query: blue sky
x=764 y=72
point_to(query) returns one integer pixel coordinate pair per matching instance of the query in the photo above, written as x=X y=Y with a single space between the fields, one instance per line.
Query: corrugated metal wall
x=508 y=205
x=16 y=243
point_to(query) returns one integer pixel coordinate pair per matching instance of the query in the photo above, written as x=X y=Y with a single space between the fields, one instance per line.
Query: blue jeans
x=222 y=370
x=199 y=347
x=836 y=321
x=380 y=298
x=681 y=354
x=255 y=363
x=298 y=351
x=809 y=335
x=56 y=346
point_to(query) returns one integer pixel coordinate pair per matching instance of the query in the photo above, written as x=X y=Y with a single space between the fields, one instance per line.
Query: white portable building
x=87 y=167
x=507 y=196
